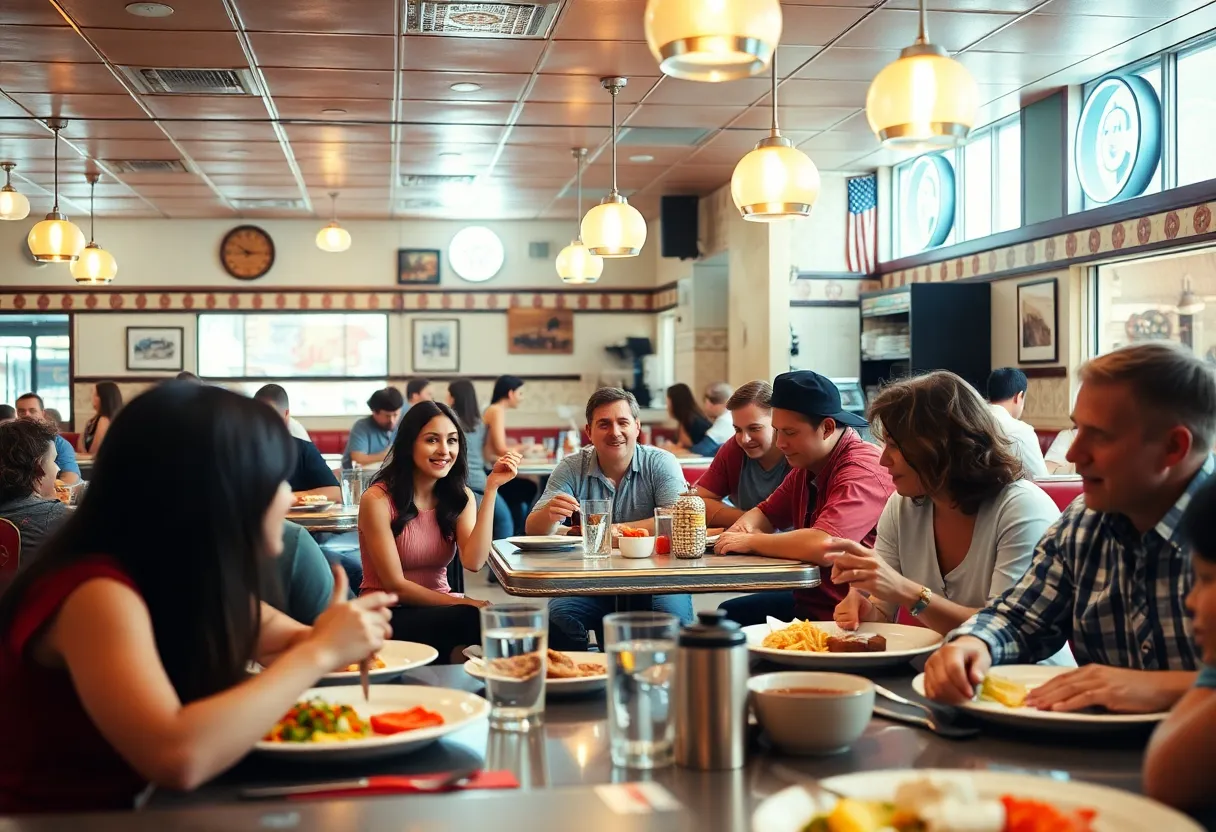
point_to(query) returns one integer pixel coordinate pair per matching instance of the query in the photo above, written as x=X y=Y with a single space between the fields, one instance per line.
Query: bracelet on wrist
x=922 y=602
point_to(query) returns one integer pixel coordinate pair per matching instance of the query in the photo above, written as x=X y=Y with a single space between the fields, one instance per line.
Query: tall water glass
x=596 y=519
x=353 y=480
x=641 y=649
x=514 y=638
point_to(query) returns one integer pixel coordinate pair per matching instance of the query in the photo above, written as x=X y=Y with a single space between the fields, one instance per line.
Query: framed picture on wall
x=436 y=345
x=417 y=266
x=154 y=348
x=1038 y=322
x=540 y=331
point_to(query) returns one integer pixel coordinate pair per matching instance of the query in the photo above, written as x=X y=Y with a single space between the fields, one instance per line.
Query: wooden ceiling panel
x=438 y=85
x=126 y=149
x=574 y=113
x=220 y=130
x=244 y=166
x=599 y=58
x=470 y=54
x=709 y=115
x=587 y=88
x=211 y=50
x=360 y=17
x=29 y=13
x=796 y=118
x=845 y=64
x=194 y=15
x=43 y=105
x=323 y=51
x=237 y=151
x=54 y=44
x=465 y=154
x=895 y=29
x=338 y=134
x=329 y=83
x=619 y=20
x=456 y=112
x=416 y=133
x=537 y=138
x=34 y=76
x=817 y=26
x=739 y=93
x=206 y=106
x=83 y=131
x=196 y=189
x=315 y=109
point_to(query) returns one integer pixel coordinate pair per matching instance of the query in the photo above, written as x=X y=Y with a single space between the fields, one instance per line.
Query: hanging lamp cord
x=923 y=35
x=776 y=127
x=55 y=207
x=615 y=90
x=92 y=214
x=333 y=207
x=578 y=178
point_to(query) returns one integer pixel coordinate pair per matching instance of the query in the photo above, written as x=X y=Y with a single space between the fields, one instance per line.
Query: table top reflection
x=336 y=518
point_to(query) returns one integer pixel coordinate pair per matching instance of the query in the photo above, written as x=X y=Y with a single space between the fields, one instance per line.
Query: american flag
x=861 y=242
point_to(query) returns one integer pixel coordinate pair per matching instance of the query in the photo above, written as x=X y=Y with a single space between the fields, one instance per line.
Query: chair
x=10 y=552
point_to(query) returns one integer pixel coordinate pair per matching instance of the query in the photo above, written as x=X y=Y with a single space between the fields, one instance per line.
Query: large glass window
x=977 y=182
x=35 y=357
x=1196 y=115
x=293 y=346
x=1008 y=214
x=320 y=398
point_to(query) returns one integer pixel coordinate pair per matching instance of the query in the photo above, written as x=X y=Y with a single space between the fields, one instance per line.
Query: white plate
x=545 y=542
x=560 y=687
x=904 y=643
x=312 y=506
x=1033 y=675
x=458 y=708
x=791 y=809
x=399 y=656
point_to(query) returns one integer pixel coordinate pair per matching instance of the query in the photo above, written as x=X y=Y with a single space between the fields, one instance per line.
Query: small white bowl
x=636 y=547
x=812 y=723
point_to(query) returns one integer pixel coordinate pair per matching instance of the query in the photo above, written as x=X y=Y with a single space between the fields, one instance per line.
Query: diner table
x=543 y=467
x=564 y=767
x=336 y=518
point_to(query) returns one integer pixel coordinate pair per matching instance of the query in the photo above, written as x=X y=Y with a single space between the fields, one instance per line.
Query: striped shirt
x=1117 y=595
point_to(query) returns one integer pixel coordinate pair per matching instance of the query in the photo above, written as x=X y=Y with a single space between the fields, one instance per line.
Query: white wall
x=817 y=243
x=829 y=340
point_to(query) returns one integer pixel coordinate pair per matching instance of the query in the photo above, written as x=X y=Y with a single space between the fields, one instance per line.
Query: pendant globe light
x=96 y=266
x=925 y=100
x=333 y=237
x=614 y=228
x=776 y=181
x=13 y=206
x=712 y=40
x=55 y=239
x=575 y=263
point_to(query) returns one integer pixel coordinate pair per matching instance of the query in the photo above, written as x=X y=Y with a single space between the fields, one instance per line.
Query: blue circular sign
x=929 y=203
x=1118 y=142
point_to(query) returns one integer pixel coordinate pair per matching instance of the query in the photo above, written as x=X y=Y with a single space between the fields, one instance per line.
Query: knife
x=365 y=668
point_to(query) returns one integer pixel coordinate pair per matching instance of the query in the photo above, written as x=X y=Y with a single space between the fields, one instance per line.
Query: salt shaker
x=711 y=694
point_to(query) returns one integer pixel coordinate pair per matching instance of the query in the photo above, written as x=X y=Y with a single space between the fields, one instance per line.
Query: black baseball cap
x=810 y=394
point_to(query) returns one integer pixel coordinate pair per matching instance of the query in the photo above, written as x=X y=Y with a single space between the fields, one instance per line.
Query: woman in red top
x=124 y=647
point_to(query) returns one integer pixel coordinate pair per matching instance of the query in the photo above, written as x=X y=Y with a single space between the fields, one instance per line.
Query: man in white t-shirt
x=714 y=404
x=1007 y=398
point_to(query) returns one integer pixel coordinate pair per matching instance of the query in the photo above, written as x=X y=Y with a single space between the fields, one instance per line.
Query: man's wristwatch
x=926 y=596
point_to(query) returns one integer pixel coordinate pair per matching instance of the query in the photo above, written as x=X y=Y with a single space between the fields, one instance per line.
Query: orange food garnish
x=401 y=721
x=1036 y=816
x=629 y=531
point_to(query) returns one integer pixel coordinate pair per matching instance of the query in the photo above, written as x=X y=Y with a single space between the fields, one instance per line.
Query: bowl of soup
x=812 y=713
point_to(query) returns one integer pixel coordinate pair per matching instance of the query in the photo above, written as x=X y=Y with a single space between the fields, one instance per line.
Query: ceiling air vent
x=661 y=136
x=154 y=81
x=435 y=180
x=418 y=204
x=146 y=165
x=480 y=20
x=263 y=204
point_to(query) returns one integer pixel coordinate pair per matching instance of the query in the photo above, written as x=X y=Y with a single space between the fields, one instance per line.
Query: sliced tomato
x=411 y=720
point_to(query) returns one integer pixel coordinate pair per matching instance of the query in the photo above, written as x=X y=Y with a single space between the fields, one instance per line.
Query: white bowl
x=812 y=723
x=636 y=547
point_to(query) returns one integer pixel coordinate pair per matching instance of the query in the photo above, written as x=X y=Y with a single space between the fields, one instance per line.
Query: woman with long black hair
x=463 y=400
x=414 y=517
x=107 y=401
x=124 y=647
x=692 y=422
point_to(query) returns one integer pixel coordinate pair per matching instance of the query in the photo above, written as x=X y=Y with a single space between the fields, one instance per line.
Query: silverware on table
x=365 y=669
x=424 y=783
x=930 y=723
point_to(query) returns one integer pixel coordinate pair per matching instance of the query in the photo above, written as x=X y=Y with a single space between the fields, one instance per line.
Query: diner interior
x=685 y=404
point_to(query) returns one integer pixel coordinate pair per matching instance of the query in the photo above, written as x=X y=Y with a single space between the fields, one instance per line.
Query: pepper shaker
x=711 y=694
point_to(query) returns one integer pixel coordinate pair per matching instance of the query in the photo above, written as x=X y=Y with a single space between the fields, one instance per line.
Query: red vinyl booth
x=1063 y=492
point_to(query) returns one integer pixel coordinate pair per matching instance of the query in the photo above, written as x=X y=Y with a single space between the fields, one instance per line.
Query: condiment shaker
x=688 y=526
x=711 y=694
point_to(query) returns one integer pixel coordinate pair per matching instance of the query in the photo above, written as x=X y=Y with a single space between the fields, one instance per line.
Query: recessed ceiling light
x=642 y=157
x=149 y=9
x=238 y=151
x=450 y=154
x=465 y=86
x=333 y=111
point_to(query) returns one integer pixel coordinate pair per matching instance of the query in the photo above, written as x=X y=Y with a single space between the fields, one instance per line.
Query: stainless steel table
x=334 y=519
x=532 y=467
x=570 y=755
x=538 y=574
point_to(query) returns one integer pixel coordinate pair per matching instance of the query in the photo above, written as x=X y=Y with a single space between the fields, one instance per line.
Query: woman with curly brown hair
x=962 y=524
x=27 y=482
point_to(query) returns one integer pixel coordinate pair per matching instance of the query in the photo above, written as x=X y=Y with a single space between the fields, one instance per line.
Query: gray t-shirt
x=35 y=518
x=756 y=484
x=654 y=479
x=474 y=442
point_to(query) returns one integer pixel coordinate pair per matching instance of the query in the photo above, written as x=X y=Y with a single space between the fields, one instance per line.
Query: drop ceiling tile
x=137 y=180
x=840 y=160
x=323 y=51
x=54 y=44
x=575 y=113
x=654 y=115
x=339 y=133
x=663 y=157
x=1046 y=34
x=220 y=130
x=599 y=58
x=212 y=50
x=555 y=150
x=1010 y=6
x=206 y=106
x=128 y=149
x=455 y=133
x=840 y=63
x=1160 y=9
x=895 y=29
x=629 y=177
x=261 y=192
x=329 y=83
x=107 y=188
x=470 y=54
x=224 y=180
x=82 y=131
x=29 y=13
x=729 y=146
x=456 y=112
x=796 y=118
x=343 y=180
x=184 y=190
x=244 y=166
x=347 y=196
x=835 y=140
x=468 y=154
x=438 y=85
x=32 y=76
x=619 y=20
x=196 y=15
x=815 y=93
x=322 y=156
x=588 y=88
x=817 y=26
x=363 y=17
x=244 y=153
x=740 y=93
x=43 y=105
x=1011 y=68
x=21 y=127
x=356 y=109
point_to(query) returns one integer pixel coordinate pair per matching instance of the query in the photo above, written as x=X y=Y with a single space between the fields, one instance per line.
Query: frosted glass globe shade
x=334 y=238
x=922 y=101
x=95 y=267
x=614 y=229
x=55 y=240
x=773 y=183
x=712 y=40
x=577 y=265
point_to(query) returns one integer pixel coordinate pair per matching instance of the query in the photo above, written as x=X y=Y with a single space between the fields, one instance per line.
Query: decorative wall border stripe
x=159 y=376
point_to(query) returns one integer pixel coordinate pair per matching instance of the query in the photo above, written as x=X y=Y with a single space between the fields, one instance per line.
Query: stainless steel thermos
x=711 y=694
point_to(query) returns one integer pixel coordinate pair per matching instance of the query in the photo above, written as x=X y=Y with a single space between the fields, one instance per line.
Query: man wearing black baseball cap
x=837 y=488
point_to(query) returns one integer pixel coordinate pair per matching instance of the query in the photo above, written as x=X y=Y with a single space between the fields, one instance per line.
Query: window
x=34 y=357
x=1169 y=298
x=977 y=182
x=293 y=346
x=1008 y=214
x=320 y=398
x=1196 y=115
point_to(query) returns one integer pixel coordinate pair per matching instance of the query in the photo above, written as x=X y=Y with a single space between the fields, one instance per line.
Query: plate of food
x=394 y=658
x=963 y=801
x=822 y=645
x=566 y=673
x=337 y=725
x=546 y=542
x=312 y=502
x=1002 y=696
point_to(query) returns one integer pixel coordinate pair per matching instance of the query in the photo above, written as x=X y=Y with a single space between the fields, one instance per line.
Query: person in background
x=7 y=413
x=30 y=406
x=27 y=483
x=1056 y=457
x=519 y=493
x=462 y=398
x=55 y=418
x=1007 y=399
x=310 y=476
x=693 y=424
x=837 y=489
x=1172 y=773
x=962 y=524
x=107 y=401
x=748 y=469
x=414 y=518
x=128 y=657
x=301 y=583
x=715 y=403
x=371 y=437
x=637 y=479
x=418 y=390
x=1112 y=575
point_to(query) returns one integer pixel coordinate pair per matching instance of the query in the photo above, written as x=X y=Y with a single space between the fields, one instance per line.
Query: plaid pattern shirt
x=1115 y=594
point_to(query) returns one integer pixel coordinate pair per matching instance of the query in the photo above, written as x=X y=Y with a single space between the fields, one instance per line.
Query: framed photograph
x=436 y=345
x=540 y=331
x=417 y=266
x=1038 y=322
x=158 y=348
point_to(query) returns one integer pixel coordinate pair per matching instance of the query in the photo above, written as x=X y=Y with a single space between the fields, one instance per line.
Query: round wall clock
x=476 y=253
x=247 y=252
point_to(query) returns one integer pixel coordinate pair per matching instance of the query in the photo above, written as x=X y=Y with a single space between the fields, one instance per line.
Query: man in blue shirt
x=372 y=436
x=636 y=478
x=418 y=390
x=311 y=475
x=30 y=406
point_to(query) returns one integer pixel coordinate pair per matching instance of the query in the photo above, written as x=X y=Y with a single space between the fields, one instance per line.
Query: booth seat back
x=1062 y=492
x=329 y=441
x=1046 y=437
x=72 y=438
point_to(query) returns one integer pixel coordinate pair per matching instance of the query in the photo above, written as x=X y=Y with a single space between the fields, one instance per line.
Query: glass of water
x=514 y=638
x=596 y=519
x=641 y=649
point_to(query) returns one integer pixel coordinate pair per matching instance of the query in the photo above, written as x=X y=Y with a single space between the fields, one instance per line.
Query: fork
x=929 y=720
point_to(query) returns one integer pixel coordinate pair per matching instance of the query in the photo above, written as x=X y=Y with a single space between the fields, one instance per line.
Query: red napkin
x=386 y=784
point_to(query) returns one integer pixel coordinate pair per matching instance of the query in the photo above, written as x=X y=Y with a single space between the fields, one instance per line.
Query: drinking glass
x=641 y=649
x=352 y=485
x=662 y=530
x=596 y=516
x=514 y=638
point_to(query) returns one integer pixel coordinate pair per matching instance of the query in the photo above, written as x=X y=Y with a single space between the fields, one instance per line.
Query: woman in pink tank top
x=417 y=515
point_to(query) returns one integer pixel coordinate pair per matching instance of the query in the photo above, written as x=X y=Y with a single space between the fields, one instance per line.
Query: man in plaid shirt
x=1111 y=576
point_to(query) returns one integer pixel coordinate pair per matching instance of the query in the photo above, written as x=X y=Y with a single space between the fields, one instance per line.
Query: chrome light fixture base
x=740 y=49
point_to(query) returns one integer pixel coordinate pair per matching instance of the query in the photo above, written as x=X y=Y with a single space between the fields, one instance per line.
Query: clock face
x=476 y=253
x=247 y=252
